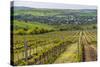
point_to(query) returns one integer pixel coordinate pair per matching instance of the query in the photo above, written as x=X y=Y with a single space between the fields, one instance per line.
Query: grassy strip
x=70 y=55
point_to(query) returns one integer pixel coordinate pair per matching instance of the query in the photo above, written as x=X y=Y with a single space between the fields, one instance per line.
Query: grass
x=70 y=55
x=22 y=24
x=22 y=27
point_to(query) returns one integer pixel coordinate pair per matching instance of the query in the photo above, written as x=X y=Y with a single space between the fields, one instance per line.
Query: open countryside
x=53 y=36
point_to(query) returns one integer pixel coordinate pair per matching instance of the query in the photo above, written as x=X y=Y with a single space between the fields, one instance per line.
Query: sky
x=52 y=5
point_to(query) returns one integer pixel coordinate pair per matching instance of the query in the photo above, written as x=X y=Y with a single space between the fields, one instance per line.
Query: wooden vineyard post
x=78 y=46
x=83 y=55
x=25 y=50
x=30 y=52
x=17 y=56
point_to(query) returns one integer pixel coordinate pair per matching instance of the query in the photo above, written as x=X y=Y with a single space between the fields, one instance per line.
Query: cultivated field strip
x=33 y=50
x=53 y=47
x=89 y=51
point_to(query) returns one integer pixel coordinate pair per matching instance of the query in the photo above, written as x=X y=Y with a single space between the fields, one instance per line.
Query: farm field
x=52 y=35
x=55 y=47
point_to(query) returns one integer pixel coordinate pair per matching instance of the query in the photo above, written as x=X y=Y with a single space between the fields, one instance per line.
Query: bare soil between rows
x=89 y=52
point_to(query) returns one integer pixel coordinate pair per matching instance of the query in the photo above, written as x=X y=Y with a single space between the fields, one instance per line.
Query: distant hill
x=55 y=16
x=20 y=8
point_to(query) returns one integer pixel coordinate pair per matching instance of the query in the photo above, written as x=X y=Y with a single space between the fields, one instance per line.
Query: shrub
x=94 y=27
x=30 y=31
x=20 y=32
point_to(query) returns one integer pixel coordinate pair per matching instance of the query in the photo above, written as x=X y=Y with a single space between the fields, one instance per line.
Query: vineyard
x=55 y=47
x=52 y=35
